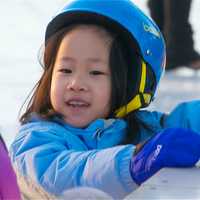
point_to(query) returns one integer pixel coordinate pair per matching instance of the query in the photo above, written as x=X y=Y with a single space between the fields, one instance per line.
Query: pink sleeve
x=8 y=183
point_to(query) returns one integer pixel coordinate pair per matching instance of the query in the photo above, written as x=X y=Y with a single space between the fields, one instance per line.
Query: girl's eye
x=65 y=70
x=96 y=73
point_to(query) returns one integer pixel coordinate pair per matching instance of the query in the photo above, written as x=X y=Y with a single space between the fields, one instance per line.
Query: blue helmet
x=124 y=17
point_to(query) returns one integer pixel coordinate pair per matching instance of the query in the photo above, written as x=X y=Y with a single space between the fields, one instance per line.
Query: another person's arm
x=8 y=183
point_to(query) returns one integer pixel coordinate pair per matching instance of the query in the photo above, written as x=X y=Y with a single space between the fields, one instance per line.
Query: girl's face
x=81 y=79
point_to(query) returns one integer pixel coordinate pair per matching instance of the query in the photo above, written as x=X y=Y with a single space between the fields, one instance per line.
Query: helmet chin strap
x=139 y=100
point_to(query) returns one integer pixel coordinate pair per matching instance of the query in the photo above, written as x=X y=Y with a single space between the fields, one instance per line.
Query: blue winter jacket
x=57 y=156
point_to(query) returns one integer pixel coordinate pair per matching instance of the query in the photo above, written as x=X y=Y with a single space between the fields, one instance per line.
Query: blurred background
x=23 y=24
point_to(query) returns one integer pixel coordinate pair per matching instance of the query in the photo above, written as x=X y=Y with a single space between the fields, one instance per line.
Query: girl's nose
x=77 y=83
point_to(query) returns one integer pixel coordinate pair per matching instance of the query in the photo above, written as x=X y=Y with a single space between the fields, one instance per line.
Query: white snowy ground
x=23 y=24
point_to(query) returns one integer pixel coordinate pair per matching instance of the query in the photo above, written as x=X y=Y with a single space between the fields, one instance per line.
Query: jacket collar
x=101 y=133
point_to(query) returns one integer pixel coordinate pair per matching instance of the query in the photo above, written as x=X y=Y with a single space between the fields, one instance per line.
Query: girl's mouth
x=77 y=103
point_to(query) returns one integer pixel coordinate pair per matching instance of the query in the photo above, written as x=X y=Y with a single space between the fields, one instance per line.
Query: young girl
x=8 y=183
x=103 y=60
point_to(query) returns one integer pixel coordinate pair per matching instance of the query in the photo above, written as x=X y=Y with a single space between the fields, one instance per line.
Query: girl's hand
x=173 y=147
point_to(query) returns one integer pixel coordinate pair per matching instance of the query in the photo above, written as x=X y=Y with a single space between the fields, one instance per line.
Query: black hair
x=125 y=65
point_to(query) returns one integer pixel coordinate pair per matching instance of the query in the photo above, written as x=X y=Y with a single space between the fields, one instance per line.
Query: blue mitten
x=174 y=147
